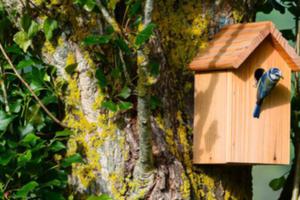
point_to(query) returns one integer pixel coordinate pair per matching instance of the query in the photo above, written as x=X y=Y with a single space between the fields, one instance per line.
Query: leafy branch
x=29 y=88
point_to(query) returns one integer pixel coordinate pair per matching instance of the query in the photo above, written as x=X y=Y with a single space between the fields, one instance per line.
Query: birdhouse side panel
x=265 y=140
x=210 y=117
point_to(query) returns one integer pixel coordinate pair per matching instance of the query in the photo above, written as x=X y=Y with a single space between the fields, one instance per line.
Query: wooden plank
x=232 y=36
x=218 y=54
x=248 y=25
x=238 y=33
x=212 y=64
x=230 y=31
x=209 y=124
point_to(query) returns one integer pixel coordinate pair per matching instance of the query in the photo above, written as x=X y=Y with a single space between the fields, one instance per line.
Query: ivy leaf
x=101 y=197
x=25 y=22
x=21 y=38
x=26 y=129
x=30 y=139
x=110 y=105
x=135 y=8
x=33 y=29
x=5 y=120
x=124 y=105
x=76 y=158
x=63 y=133
x=24 y=158
x=54 y=182
x=23 y=191
x=145 y=34
x=96 y=39
x=122 y=45
x=6 y=157
x=154 y=102
x=89 y=5
x=49 y=26
x=101 y=78
x=71 y=68
x=125 y=92
x=25 y=63
x=277 y=183
x=57 y=146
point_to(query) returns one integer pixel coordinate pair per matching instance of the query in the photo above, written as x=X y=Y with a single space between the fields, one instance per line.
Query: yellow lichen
x=48 y=48
x=70 y=60
x=38 y=2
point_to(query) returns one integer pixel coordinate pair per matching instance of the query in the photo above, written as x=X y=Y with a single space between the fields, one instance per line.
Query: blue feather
x=256 y=111
x=265 y=85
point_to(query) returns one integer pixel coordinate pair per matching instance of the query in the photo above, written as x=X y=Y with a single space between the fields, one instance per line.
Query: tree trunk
x=109 y=141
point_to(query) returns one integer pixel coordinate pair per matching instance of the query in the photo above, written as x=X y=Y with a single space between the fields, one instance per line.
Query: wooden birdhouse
x=225 y=130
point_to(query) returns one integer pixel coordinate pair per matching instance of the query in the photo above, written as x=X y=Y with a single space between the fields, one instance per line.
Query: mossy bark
x=112 y=151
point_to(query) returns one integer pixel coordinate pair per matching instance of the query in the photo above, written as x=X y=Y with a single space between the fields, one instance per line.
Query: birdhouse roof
x=234 y=43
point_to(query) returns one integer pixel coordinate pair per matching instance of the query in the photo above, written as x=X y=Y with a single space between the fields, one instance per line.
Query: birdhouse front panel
x=242 y=104
x=266 y=139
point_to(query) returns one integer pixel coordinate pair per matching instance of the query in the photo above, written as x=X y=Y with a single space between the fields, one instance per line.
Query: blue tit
x=266 y=83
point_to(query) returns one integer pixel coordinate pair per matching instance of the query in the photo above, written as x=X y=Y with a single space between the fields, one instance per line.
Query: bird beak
x=281 y=77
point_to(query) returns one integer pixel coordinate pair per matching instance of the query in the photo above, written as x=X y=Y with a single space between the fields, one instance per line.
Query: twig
x=148 y=12
x=3 y=88
x=145 y=162
x=108 y=18
x=126 y=74
x=29 y=88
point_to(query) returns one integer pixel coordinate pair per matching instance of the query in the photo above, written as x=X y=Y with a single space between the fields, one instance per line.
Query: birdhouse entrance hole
x=258 y=73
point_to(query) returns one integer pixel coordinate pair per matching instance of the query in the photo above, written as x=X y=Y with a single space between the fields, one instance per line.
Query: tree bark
x=112 y=149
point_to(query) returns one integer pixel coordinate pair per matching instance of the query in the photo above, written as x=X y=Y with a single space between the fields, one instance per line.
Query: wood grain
x=224 y=129
x=235 y=43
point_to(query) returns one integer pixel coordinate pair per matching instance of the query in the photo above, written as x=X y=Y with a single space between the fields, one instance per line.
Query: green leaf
x=25 y=22
x=6 y=157
x=101 y=78
x=101 y=197
x=27 y=129
x=16 y=106
x=277 y=183
x=23 y=191
x=154 y=68
x=21 y=38
x=57 y=146
x=125 y=92
x=135 y=8
x=76 y=158
x=54 y=182
x=25 y=63
x=122 y=45
x=64 y=133
x=89 y=5
x=33 y=29
x=71 y=68
x=49 y=26
x=30 y=139
x=145 y=34
x=154 y=102
x=110 y=105
x=96 y=39
x=24 y=158
x=124 y=105
x=5 y=120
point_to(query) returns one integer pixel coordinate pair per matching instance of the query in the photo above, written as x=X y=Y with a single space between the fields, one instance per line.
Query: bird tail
x=256 y=111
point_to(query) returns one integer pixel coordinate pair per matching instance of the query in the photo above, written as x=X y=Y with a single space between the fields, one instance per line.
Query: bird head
x=275 y=74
